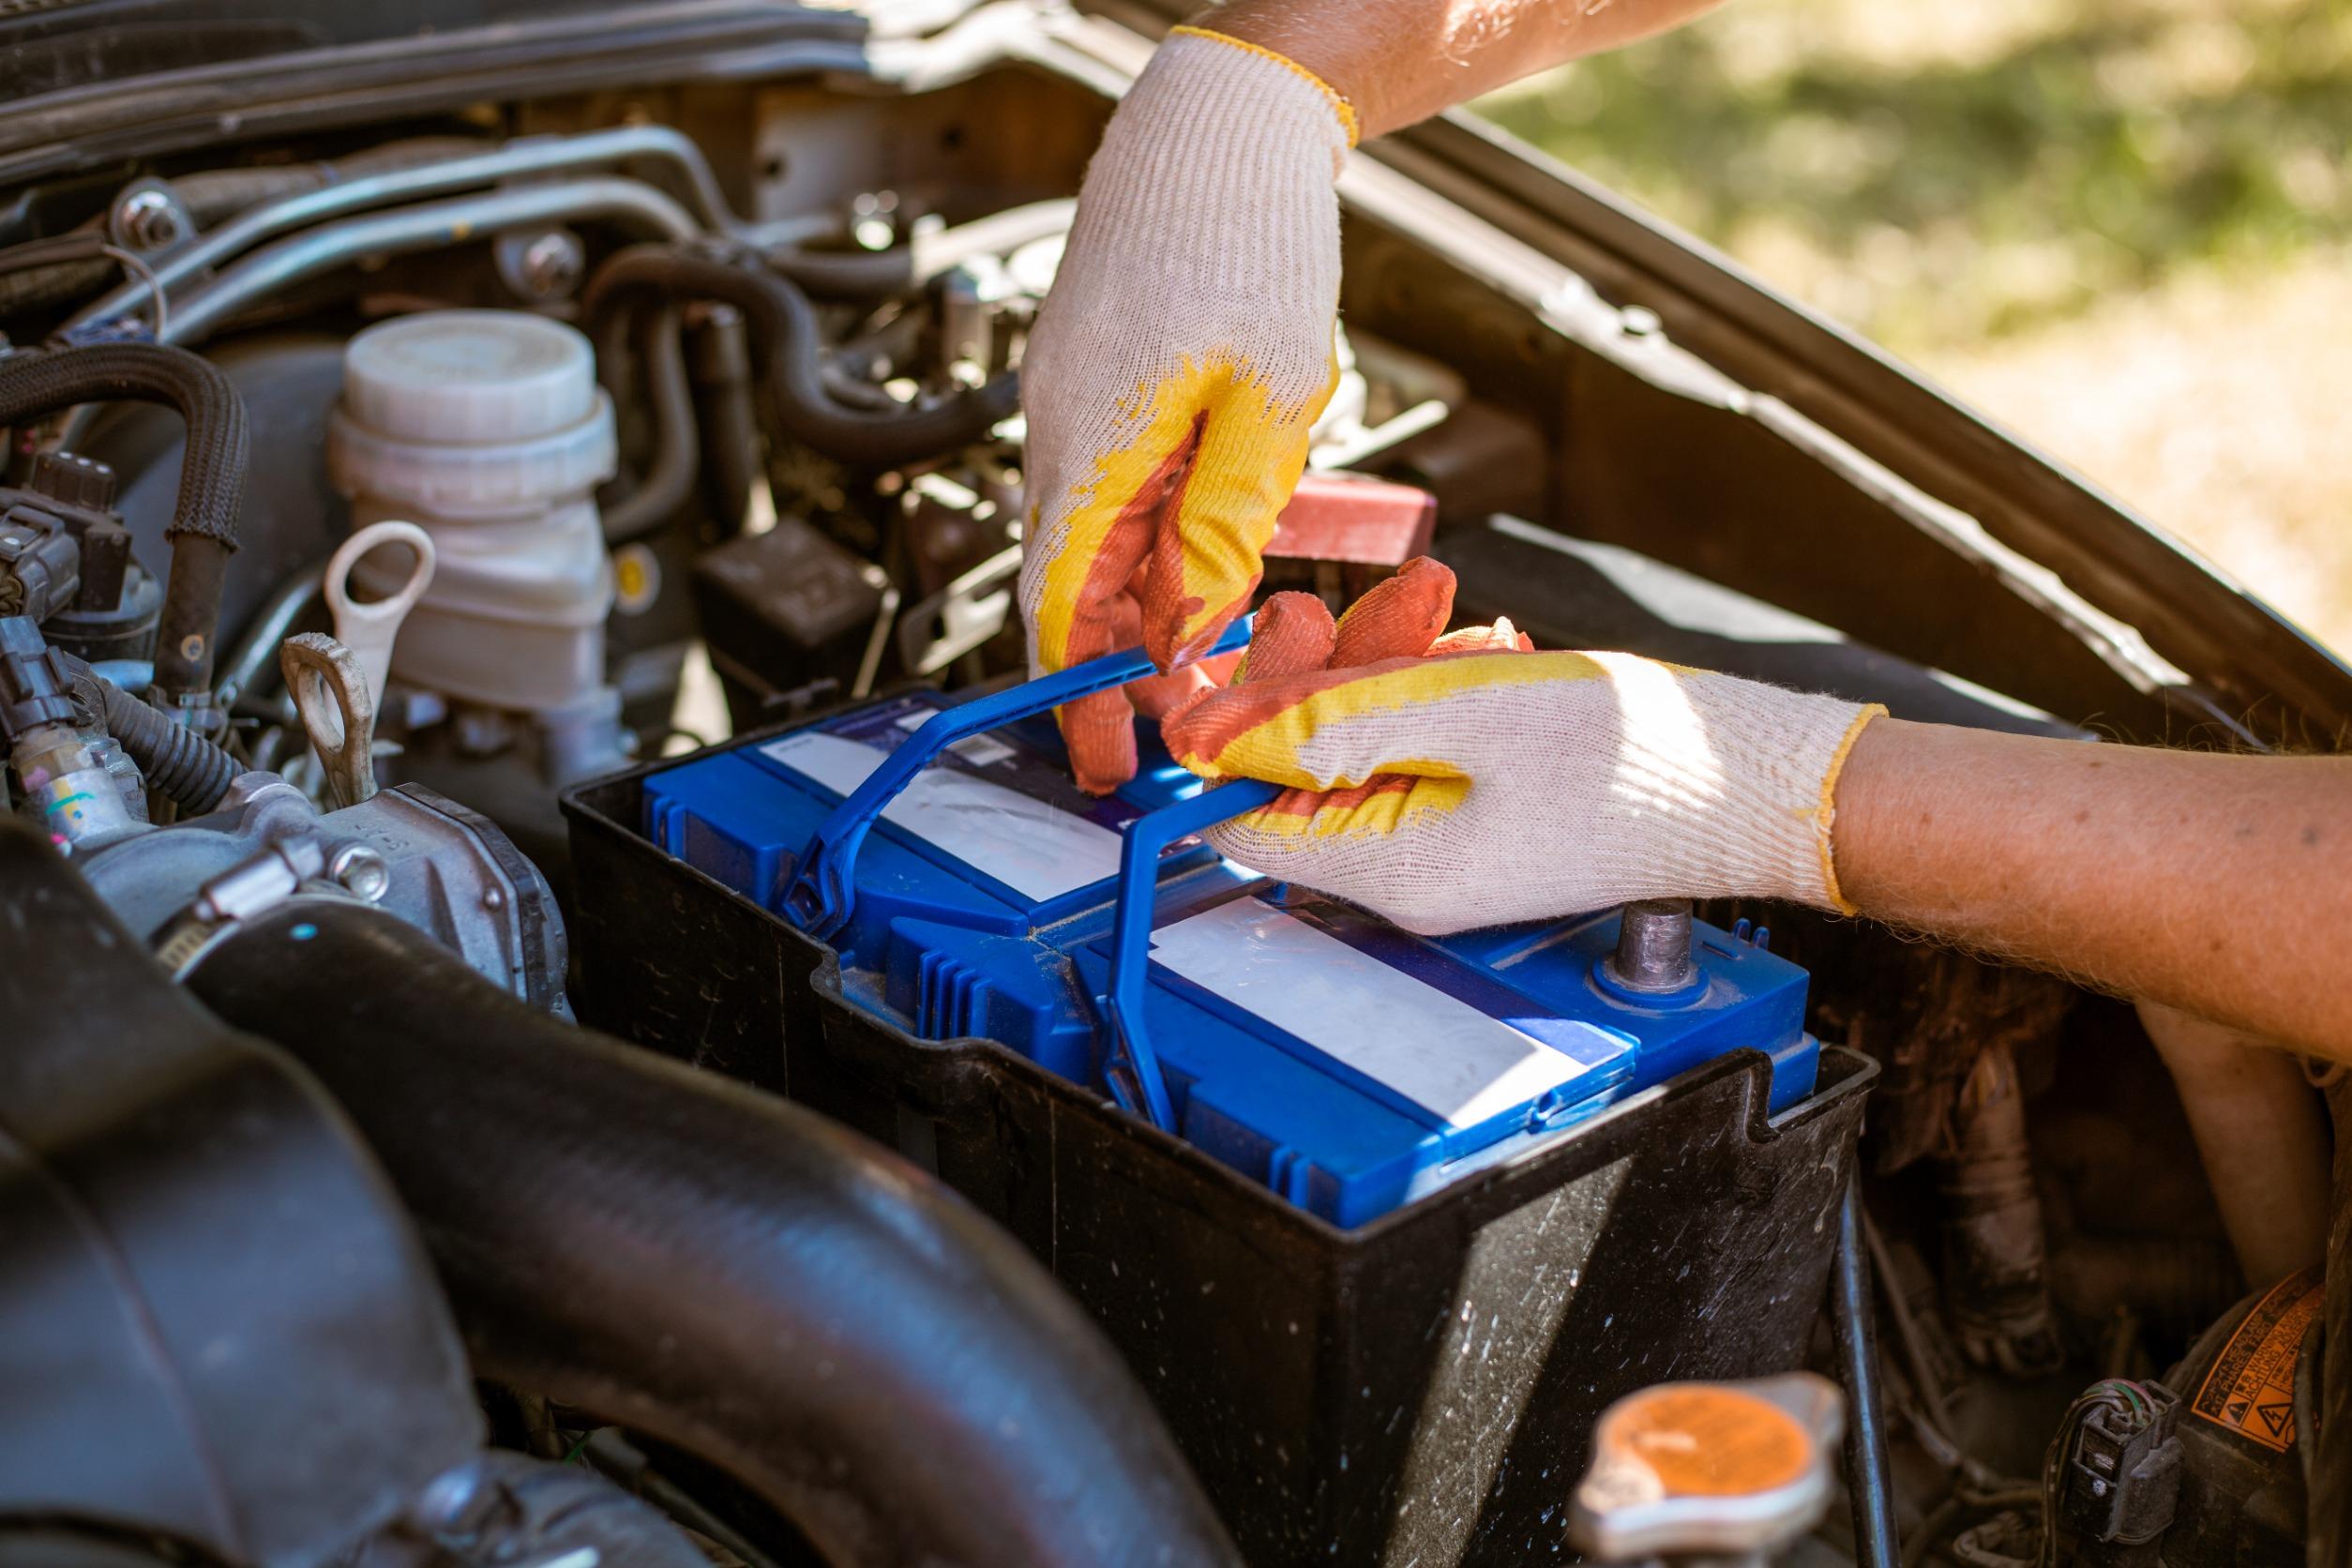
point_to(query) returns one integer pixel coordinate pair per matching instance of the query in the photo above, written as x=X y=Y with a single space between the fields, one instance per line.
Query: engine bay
x=475 y=562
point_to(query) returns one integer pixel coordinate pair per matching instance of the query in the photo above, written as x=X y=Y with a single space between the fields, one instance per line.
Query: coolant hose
x=666 y=482
x=204 y=527
x=172 y=757
x=723 y=1270
x=785 y=334
x=734 y=464
x=846 y=277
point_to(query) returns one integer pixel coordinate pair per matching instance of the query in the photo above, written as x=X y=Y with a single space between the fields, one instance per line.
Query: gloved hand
x=1457 y=782
x=1176 y=366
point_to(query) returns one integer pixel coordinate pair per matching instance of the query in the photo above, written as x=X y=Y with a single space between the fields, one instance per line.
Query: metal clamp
x=1133 y=1070
x=823 y=890
x=249 y=888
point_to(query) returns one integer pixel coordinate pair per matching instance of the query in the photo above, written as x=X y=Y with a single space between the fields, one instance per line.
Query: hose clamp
x=288 y=870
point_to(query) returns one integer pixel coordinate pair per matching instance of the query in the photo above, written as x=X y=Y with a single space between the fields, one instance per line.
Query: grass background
x=2123 y=228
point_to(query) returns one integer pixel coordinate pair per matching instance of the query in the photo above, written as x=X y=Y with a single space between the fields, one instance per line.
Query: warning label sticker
x=2251 y=1389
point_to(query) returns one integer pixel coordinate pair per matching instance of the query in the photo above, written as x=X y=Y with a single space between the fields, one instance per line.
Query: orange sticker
x=2251 y=1389
x=1707 y=1442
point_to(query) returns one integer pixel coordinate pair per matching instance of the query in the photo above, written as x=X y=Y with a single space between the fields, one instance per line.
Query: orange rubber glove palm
x=1452 y=781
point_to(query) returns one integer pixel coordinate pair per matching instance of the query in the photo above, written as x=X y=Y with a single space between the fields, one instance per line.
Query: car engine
x=495 y=514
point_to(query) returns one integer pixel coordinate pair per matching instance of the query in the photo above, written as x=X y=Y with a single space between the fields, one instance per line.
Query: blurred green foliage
x=1951 y=193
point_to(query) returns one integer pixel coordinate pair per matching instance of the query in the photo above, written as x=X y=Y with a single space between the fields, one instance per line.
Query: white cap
x=469 y=377
x=471 y=414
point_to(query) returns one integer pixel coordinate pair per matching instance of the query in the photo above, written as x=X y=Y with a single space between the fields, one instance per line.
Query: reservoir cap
x=469 y=378
x=1697 y=1468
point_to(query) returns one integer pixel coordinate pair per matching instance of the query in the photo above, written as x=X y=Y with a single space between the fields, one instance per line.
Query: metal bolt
x=2098 y=1487
x=553 y=261
x=1653 y=946
x=541 y=264
x=361 y=871
x=150 y=219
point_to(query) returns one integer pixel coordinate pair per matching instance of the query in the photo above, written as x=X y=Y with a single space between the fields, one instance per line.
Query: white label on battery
x=1037 y=851
x=1437 y=1050
x=980 y=750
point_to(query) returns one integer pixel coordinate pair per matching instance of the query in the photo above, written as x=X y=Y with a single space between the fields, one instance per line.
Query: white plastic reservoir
x=486 y=429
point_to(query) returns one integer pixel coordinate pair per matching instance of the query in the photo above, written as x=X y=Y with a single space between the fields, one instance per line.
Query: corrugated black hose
x=174 y=760
x=204 y=527
x=786 y=338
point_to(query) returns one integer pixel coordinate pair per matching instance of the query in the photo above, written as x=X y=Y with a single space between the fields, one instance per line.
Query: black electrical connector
x=2122 y=1469
x=36 y=687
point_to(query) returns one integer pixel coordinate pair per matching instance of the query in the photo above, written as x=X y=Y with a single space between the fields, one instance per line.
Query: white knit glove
x=1465 y=781
x=1177 y=366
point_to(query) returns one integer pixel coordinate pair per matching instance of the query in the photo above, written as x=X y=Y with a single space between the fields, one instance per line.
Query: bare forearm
x=1398 y=61
x=2220 y=885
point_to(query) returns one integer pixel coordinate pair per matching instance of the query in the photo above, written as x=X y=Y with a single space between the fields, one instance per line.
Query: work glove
x=1177 y=365
x=1453 y=781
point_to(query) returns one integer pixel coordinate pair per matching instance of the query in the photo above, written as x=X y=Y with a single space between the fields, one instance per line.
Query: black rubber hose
x=677 y=445
x=204 y=527
x=1868 y=1484
x=728 y=1272
x=785 y=336
x=846 y=277
x=732 y=458
x=174 y=760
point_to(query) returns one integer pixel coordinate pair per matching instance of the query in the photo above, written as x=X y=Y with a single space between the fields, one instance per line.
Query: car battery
x=1383 y=1221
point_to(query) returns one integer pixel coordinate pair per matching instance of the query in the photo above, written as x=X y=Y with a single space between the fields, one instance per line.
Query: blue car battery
x=1348 y=1064
x=1381 y=1222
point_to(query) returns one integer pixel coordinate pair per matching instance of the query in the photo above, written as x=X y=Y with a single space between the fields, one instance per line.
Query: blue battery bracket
x=1122 y=1007
x=823 y=890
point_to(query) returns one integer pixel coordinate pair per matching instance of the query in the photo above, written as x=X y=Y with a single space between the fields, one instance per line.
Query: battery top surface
x=1349 y=1064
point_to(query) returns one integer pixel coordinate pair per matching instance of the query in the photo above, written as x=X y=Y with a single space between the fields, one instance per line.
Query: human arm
x=2218 y=884
x=1185 y=350
x=1399 y=61
x=1483 y=787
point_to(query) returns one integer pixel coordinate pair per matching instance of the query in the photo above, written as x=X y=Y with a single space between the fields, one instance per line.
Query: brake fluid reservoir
x=486 y=428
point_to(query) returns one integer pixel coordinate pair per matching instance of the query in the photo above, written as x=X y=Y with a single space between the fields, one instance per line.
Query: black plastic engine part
x=214 y=1321
x=2119 y=1478
x=781 y=609
x=723 y=1270
x=97 y=600
x=1421 y=1388
x=36 y=686
x=2246 y=1426
x=203 y=528
x=41 y=560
